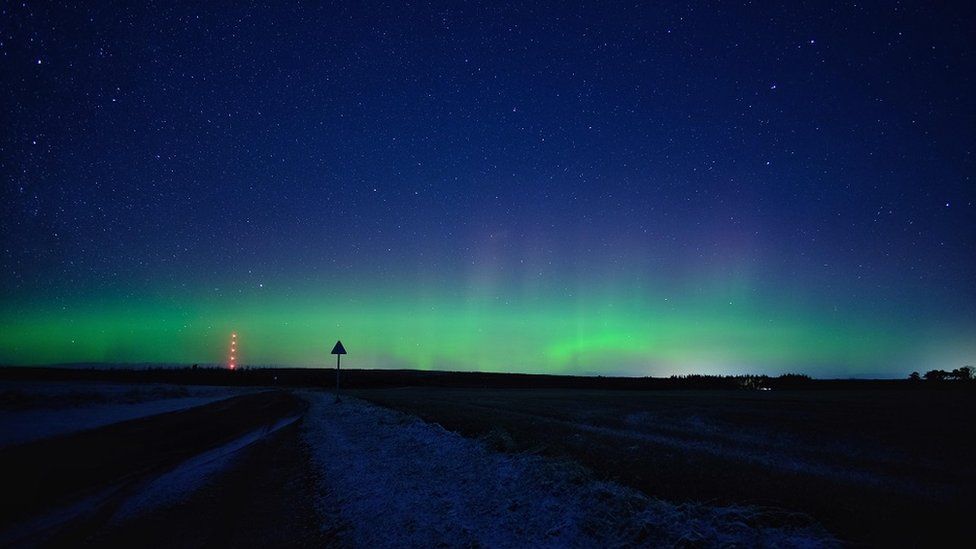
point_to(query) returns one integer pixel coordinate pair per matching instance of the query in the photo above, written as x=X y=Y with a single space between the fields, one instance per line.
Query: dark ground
x=266 y=499
x=876 y=467
x=109 y=464
x=880 y=463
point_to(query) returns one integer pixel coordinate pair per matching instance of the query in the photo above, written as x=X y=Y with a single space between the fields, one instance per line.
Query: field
x=882 y=467
x=124 y=458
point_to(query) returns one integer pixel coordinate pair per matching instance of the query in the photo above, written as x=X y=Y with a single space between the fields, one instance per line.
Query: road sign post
x=338 y=350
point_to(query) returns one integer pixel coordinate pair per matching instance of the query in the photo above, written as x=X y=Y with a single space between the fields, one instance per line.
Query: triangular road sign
x=338 y=349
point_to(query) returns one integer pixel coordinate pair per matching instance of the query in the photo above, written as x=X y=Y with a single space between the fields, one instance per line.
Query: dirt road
x=66 y=489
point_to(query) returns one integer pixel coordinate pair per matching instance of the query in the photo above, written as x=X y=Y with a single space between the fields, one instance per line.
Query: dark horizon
x=146 y=366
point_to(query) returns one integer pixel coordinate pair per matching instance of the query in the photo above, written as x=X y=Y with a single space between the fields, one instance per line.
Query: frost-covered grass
x=880 y=467
x=31 y=411
x=390 y=479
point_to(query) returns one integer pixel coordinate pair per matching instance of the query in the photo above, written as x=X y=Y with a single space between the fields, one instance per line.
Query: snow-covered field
x=390 y=479
x=385 y=478
x=32 y=411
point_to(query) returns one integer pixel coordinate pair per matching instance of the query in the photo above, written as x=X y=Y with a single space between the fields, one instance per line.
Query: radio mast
x=232 y=362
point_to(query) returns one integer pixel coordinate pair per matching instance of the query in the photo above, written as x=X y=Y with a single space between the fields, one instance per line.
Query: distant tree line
x=748 y=381
x=959 y=374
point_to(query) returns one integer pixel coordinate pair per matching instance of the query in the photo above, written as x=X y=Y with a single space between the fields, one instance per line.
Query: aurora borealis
x=561 y=189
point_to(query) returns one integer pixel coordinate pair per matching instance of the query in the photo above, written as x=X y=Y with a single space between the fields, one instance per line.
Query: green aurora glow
x=609 y=334
x=545 y=189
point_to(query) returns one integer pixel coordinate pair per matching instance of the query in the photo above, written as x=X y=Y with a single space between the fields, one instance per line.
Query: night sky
x=614 y=189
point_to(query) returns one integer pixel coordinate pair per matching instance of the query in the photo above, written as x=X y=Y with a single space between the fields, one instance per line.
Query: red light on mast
x=232 y=361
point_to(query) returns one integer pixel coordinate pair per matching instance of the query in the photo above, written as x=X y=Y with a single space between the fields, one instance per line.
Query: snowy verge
x=390 y=479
